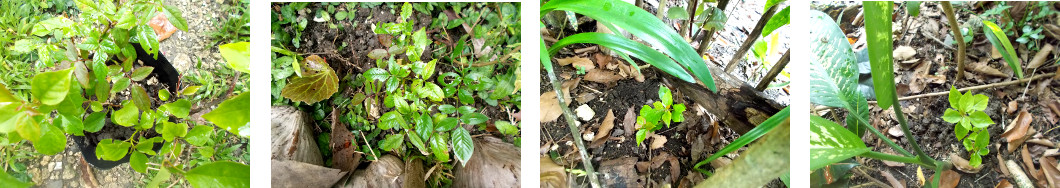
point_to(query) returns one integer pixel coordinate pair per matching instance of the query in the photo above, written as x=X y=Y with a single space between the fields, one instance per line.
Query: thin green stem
x=895 y=158
x=893 y=145
x=905 y=128
x=569 y=117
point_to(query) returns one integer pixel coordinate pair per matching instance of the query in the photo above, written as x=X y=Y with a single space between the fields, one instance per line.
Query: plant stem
x=882 y=137
x=948 y=8
x=895 y=158
x=569 y=117
x=909 y=134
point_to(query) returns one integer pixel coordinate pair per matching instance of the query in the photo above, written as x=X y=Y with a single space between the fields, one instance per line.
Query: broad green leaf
x=979 y=102
x=447 y=124
x=232 y=115
x=952 y=116
x=73 y=104
x=833 y=70
x=376 y=74
x=440 y=148
x=678 y=13
x=95 y=121
x=200 y=135
x=173 y=130
x=26 y=125
x=319 y=82
x=221 y=174
x=466 y=109
x=9 y=116
x=139 y=97
x=678 y=113
x=163 y=94
x=162 y=175
x=237 y=55
x=997 y=37
x=463 y=147
x=781 y=18
x=175 y=17
x=51 y=87
x=446 y=109
x=52 y=24
x=6 y=96
x=954 y=97
x=141 y=73
x=913 y=8
x=417 y=141
x=102 y=90
x=138 y=162
x=128 y=115
x=780 y=118
x=392 y=142
x=406 y=11
x=12 y=182
x=642 y=24
x=967 y=100
x=975 y=160
x=146 y=146
x=120 y=85
x=474 y=118
x=665 y=96
x=979 y=119
x=419 y=43
x=179 y=108
x=112 y=150
x=390 y=120
x=624 y=45
x=52 y=142
x=506 y=128
x=641 y=135
x=126 y=19
x=148 y=39
x=982 y=140
x=878 y=31
x=666 y=115
x=431 y=91
x=771 y=3
x=190 y=90
x=831 y=143
x=71 y=124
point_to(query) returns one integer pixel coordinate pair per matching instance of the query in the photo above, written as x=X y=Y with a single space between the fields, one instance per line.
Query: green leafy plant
x=997 y=37
x=834 y=80
x=659 y=113
x=970 y=123
x=101 y=65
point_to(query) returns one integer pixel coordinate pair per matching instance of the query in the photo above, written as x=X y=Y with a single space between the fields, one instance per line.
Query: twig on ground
x=861 y=172
x=1013 y=82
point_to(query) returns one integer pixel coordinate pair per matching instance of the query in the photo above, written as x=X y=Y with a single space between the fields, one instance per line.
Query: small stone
x=588 y=136
x=584 y=112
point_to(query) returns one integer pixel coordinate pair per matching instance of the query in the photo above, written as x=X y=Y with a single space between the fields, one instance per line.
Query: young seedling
x=659 y=111
x=970 y=123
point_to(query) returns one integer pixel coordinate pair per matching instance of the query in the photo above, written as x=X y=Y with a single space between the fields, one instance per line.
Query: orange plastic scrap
x=162 y=26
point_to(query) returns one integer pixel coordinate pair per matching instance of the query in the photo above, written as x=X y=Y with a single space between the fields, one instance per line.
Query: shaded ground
x=931 y=71
x=184 y=50
x=687 y=142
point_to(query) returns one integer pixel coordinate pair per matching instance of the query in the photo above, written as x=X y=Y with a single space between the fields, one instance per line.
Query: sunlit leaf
x=997 y=37
x=232 y=115
x=318 y=83
x=112 y=150
x=221 y=174
x=831 y=143
x=51 y=87
x=463 y=147
x=880 y=46
x=237 y=55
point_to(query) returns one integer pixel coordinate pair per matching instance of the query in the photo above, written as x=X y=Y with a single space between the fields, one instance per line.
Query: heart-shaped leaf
x=318 y=82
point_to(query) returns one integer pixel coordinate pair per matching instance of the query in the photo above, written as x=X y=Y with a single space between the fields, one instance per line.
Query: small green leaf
x=392 y=142
x=127 y=116
x=237 y=55
x=418 y=142
x=200 y=135
x=955 y=97
x=463 y=147
x=120 y=84
x=432 y=91
x=112 y=150
x=466 y=109
x=641 y=135
x=967 y=101
x=390 y=120
x=139 y=97
x=179 y=108
x=163 y=94
x=779 y=19
x=141 y=73
x=148 y=39
x=138 y=162
x=506 y=128
x=979 y=119
x=997 y=37
x=975 y=160
x=147 y=146
x=665 y=96
x=71 y=124
x=95 y=121
x=51 y=87
x=10 y=181
x=474 y=118
x=979 y=102
x=446 y=109
x=447 y=124
x=952 y=116
x=52 y=142
x=175 y=17
x=678 y=113
x=376 y=74
x=960 y=131
x=232 y=115
x=190 y=90
x=173 y=130
x=221 y=174
x=440 y=148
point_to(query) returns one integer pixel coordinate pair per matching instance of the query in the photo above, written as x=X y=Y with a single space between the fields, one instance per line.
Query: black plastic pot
x=165 y=74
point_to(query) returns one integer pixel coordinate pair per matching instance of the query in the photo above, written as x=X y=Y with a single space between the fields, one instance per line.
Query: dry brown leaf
x=602 y=60
x=657 y=141
x=963 y=165
x=605 y=127
x=1040 y=57
x=890 y=179
x=950 y=179
x=1012 y=105
x=602 y=76
x=571 y=60
x=345 y=158
x=1001 y=162
x=1028 y=164
x=629 y=122
x=1052 y=174
x=720 y=162
x=994 y=54
x=163 y=28
x=904 y=52
x=1017 y=130
x=896 y=131
x=1053 y=31
x=550 y=108
x=1003 y=184
x=552 y=175
x=981 y=67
